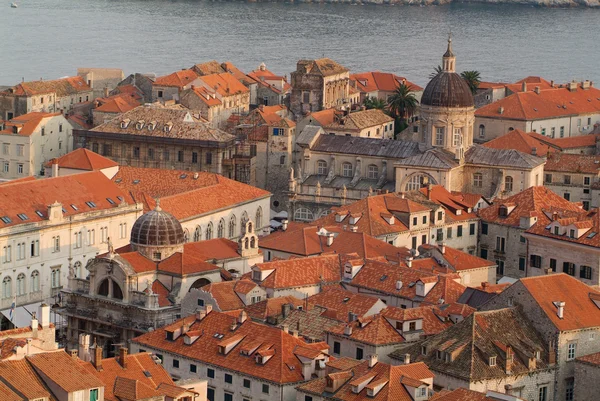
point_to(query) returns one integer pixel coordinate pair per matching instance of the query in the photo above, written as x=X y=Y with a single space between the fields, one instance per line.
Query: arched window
x=415 y=182
x=103 y=289
x=35 y=281
x=117 y=293
x=372 y=172
x=482 y=131
x=78 y=270
x=347 y=169
x=508 y=183
x=201 y=282
x=511 y=129
x=321 y=167
x=186 y=235
x=232 y=224
x=21 y=284
x=197 y=234
x=243 y=221
x=303 y=214
x=221 y=229
x=209 y=231
x=478 y=180
x=258 y=217
x=6 y=287
x=325 y=213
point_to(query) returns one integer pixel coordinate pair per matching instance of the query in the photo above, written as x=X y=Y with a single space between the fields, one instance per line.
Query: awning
x=22 y=314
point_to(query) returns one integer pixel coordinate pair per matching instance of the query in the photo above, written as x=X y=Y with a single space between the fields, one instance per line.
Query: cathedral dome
x=447 y=89
x=157 y=228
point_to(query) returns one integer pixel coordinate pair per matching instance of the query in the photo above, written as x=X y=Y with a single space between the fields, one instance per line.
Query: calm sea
x=51 y=38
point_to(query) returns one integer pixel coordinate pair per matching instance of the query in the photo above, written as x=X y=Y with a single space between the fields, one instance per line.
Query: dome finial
x=157 y=207
x=449 y=59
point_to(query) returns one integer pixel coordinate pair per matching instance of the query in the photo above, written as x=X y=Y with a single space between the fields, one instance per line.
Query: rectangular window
x=20 y=168
x=562 y=132
x=456 y=138
x=150 y=154
x=570 y=390
x=208 y=157
x=472 y=229
x=415 y=221
x=194 y=157
x=414 y=243
x=439 y=235
x=228 y=378
x=484 y=228
x=210 y=373
x=210 y=394
x=308 y=398
x=20 y=150
x=569 y=268
x=553 y=264
x=176 y=363
x=567 y=196
x=543 y=394
x=567 y=179
x=253 y=150
x=499 y=267
x=500 y=244
x=440 y=215
x=535 y=261
x=359 y=353
x=544 y=131
x=439 y=136
x=459 y=231
x=585 y=272
x=553 y=132
x=522 y=263
x=94 y=394
x=571 y=349
x=35 y=248
x=6 y=167
x=424 y=219
x=246 y=383
x=423 y=239
x=265 y=389
x=228 y=397
x=548 y=178
x=180 y=156
x=136 y=152
x=305 y=97
x=449 y=232
x=483 y=253
x=193 y=368
x=5 y=148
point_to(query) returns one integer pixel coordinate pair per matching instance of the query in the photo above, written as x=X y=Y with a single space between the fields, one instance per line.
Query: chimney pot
x=406 y=359
x=284 y=224
x=97 y=358
x=123 y=357
x=560 y=312
x=372 y=360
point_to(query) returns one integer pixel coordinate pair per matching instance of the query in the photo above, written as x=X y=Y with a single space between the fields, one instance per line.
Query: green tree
x=402 y=105
x=374 y=103
x=436 y=71
x=472 y=79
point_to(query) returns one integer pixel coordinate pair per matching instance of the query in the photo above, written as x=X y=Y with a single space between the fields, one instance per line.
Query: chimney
x=233 y=325
x=200 y=314
x=123 y=357
x=285 y=328
x=348 y=330
x=524 y=86
x=501 y=110
x=548 y=271
x=284 y=224
x=560 y=312
x=398 y=285
x=554 y=216
x=409 y=261
x=34 y=324
x=242 y=317
x=537 y=90
x=208 y=308
x=329 y=239
x=354 y=229
x=572 y=86
x=352 y=316
x=285 y=310
x=429 y=188
x=105 y=92
x=442 y=246
x=54 y=168
x=534 y=151
x=484 y=284
x=73 y=353
x=406 y=359
x=261 y=107
x=97 y=357
x=508 y=360
x=372 y=360
x=44 y=314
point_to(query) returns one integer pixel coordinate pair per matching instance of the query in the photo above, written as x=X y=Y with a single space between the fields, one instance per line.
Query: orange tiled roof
x=591 y=359
x=381 y=81
x=579 y=141
x=271 y=307
x=83 y=159
x=391 y=377
x=64 y=370
x=30 y=197
x=120 y=103
x=22 y=378
x=282 y=367
x=62 y=87
x=373 y=330
x=340 y=302
x=28 y=123
x=225 y=84
x=226 y=295
x=524 y=142
x=573 y=163
x=532 y=200
x=455 y=204
x=137 y=364
x=580 y=310
x=301 y=271
x=178 y=79
x=460 y=394
x=549 y=103
x=183 y=195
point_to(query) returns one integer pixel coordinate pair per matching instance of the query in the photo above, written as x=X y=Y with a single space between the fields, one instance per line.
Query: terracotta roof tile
x=381 y=81
x=27 y=123
x=178 y=79
x=21 y=376
x=64 y=370
x=225 y=84
x=341 y=302
x=226 y=295
x=373 y=330
x=301 y=271
x=524 y=142
x=574 y=163
x=460 y=394
x=62 y=87
x=271 y=307
x=274 y=341
x=83 y=159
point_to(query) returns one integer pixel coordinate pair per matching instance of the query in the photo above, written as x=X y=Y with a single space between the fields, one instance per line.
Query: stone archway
x=416 y=181
x=201 y=282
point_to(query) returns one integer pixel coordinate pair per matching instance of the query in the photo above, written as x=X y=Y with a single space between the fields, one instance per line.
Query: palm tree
x=472 y=79
x=402 y=105
x=436 y=71
x=374 y=103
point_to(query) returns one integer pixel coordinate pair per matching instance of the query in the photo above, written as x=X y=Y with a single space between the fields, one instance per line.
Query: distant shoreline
x=422 y=3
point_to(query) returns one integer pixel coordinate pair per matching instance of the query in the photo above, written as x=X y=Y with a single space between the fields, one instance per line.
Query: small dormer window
x=124 y=123
x=492 y=361
x=151 y=125
x=556 y=230
x=423 y=350
x=502 y=211
x=256 y=275
x=140 y=124
x=572 y=234
x=168 y=127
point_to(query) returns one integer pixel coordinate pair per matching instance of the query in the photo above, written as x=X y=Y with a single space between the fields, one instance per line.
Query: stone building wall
x=587 y=385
